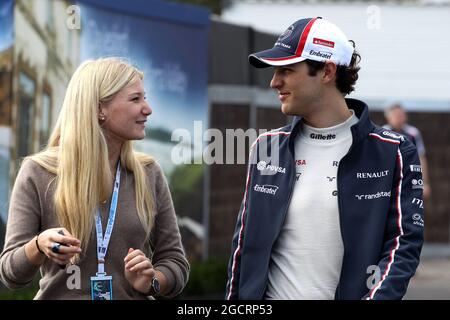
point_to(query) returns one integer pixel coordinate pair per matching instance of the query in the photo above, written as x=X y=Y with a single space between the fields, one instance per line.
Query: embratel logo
x=266 y=188
x=372 y=175
x=377 y=195
x=319 y=136
x=323 y=42
x=321 y=54
x=263 y=166
x=393 y=135
x=415 y=168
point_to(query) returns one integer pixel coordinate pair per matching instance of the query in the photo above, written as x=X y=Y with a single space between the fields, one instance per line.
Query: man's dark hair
x=345 y=76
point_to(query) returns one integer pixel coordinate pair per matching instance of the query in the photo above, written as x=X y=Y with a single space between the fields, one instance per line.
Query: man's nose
x=276 y=81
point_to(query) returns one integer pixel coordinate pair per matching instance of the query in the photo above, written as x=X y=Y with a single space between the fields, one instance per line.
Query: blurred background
x=194 y=56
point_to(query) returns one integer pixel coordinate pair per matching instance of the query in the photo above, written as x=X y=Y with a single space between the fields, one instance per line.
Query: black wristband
x=37 y=245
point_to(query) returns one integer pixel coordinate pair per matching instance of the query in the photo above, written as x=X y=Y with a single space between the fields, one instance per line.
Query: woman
x=89 y=192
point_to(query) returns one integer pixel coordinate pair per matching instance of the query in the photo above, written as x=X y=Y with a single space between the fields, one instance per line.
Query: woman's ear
x=101 y=114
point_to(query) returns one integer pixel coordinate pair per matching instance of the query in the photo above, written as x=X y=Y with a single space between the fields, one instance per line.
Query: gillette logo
x=393 y=135
x=320 y=136
x=266 y=189
x=326 y=55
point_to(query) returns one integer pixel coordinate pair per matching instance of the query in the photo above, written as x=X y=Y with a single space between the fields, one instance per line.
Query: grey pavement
x=432 y=279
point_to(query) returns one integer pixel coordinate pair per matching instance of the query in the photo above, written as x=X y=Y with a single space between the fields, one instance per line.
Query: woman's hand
x=139 y=270
x=58 y=245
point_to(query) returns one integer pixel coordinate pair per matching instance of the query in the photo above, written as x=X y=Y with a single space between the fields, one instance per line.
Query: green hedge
x=207 y=280
x=26 y=293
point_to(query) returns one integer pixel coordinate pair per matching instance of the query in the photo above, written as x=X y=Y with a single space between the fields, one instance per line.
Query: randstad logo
x=266 y=188
x=322 y=54
x=373 y=196
x=263 y=166
x=320 y=136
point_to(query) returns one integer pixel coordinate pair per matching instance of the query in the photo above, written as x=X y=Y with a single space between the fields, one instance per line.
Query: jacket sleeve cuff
x=171 y=283
x=22 y=273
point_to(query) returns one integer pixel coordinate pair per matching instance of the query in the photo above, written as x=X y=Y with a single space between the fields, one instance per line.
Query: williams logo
x=269 y=169
x=415 y=168
x=320 y=136
x=372 y=175
x=373 y=196
x=417 y=202
x=322 y=54
x=286 y=34
x=266 y=188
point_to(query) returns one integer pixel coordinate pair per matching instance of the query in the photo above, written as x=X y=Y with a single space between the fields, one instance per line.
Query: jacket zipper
x=338 y=289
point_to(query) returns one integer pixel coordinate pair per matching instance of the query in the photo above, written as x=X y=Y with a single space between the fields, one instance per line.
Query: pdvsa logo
x=261 y=165
x=266 y=188
x=268 y=168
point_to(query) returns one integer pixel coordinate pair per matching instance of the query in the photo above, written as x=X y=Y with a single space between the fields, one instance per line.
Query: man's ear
x=329 y=72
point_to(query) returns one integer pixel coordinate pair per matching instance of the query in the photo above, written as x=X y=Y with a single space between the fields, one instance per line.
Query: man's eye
x=135 y=99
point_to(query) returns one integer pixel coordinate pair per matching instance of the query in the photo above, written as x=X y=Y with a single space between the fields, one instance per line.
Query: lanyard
x=102 y=242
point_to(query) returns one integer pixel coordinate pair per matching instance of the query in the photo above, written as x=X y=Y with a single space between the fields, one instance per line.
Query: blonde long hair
x=77 y=152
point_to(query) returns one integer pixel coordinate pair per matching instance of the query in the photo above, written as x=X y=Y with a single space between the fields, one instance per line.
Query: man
x=397 y=119
x=331 y=213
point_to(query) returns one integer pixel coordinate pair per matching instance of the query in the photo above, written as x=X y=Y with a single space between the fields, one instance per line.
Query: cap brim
x=273 y=57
